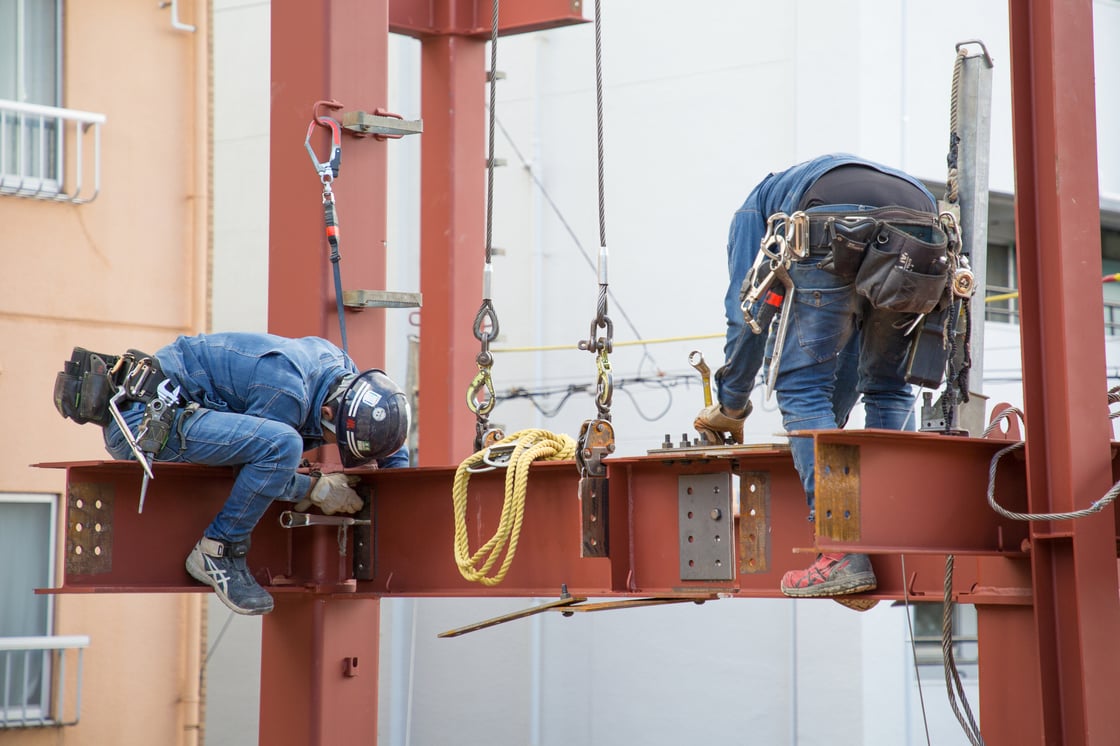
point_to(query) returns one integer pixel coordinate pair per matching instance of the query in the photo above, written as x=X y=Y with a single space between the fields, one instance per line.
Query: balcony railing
x=34 y=143
x=34 y=683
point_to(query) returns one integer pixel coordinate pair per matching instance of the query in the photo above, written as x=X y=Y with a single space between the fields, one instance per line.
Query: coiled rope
x=524 y=447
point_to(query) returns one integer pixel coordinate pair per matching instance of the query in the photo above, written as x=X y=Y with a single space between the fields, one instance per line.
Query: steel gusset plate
x=885 y=491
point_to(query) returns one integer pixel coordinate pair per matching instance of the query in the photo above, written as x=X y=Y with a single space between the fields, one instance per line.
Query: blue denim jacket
x=243 y=373
x=278 y=378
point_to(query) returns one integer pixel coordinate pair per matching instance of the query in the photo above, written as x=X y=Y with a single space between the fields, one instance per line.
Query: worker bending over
x=866 y=259
x=255 y=401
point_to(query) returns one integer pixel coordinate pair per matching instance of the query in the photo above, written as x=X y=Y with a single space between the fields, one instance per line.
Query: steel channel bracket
x=754 y=522
x=706 y=524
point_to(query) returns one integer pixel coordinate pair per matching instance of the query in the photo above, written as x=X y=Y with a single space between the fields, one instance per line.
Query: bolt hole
x=97 y=504
x=691 y=563
x=690 y=515
x=690 y=539
x=77 y=550
x=97 y=551
x=828 y=514
x=847 y=514
x=79 y=503
x=688 y=490
x=78 y=527
x=97 y=527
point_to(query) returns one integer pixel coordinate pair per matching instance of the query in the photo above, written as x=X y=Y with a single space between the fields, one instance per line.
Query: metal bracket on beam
x=705 y=520
x=380 y=299
x=380 y=124
x=754 y=522
x=837 y=493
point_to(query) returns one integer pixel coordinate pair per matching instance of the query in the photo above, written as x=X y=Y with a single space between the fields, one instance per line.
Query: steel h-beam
x=1057 y=223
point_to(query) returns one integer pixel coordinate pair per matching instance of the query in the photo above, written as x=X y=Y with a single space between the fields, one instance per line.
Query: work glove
x=712 y=424
x=334 y=493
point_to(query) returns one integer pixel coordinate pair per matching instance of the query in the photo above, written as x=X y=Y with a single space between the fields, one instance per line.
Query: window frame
x=42 y=707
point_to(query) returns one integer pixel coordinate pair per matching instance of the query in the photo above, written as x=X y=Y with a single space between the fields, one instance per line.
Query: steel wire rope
x=913 y=646
x=956 y=381
x=486 y=326
x=1098 y=505
x=579 y=245
x=524 y=447
x=949 y=662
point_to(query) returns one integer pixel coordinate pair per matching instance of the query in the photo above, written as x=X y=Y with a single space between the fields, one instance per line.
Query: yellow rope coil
x=528 y=446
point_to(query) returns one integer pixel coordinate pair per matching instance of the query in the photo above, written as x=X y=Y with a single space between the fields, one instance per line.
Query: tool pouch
x=83 y=387
x=929 y=352
x=906 y=269
x=848 y=240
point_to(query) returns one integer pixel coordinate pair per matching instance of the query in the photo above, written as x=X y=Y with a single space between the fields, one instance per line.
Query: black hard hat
x=371 y=418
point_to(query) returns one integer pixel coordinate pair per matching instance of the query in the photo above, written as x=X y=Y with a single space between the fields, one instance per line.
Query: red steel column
x=452 y=240
x=319 y=671
x=1057 y=221
x=327 y=49
x=318 y=652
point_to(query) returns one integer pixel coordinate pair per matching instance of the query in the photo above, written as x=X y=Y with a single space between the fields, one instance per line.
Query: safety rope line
x=327 y=171
x=516 y=452
x=486 y=327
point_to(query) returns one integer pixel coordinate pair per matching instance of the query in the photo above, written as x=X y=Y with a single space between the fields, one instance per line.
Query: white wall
x=701 y=102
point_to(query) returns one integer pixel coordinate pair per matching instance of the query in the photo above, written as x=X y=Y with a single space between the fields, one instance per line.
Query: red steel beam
x=1057 y=222
x=413 y=529
x=424 y=18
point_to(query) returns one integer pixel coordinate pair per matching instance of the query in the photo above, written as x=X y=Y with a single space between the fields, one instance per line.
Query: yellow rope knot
x=524 y=447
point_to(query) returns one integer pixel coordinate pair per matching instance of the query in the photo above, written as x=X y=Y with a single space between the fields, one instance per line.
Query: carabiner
x=327 y=169
x=481 y=383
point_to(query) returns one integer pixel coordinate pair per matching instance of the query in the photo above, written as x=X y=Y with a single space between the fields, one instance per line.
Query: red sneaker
x=831 y=575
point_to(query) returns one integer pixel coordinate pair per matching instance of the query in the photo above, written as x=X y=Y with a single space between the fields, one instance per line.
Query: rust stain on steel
x=89 y=528
x=754 y=522
x=838 y=491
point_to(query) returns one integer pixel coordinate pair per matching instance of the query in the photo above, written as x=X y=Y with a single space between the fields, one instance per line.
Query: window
x=30 y=70
x=35 y=132
x=27 y=540
x=928 y=622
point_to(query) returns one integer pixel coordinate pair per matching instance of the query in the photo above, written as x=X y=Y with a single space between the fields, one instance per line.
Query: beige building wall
x=126 y=270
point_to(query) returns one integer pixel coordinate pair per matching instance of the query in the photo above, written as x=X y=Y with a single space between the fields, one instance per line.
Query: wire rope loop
x=486 y=326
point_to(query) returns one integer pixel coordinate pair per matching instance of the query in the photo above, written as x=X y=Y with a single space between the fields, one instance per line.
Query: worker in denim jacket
x=837 y=346
x=259 y=401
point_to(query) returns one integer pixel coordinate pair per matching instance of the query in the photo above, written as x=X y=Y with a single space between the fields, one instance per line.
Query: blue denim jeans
x=267 y=451
x=826 y=315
